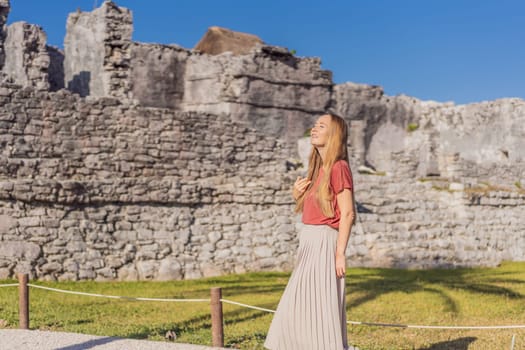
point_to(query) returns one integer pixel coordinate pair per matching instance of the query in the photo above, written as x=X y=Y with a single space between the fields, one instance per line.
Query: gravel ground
x=18 y=339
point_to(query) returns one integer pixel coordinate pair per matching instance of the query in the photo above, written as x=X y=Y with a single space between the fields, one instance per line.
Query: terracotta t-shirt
x=340 y=178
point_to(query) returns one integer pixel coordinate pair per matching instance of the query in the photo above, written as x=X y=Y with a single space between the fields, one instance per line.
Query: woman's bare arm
x=346 y=205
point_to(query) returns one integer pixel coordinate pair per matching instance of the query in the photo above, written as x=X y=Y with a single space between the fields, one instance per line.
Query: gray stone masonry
x=98 y=52
x=166 y=163
x=276 y=92
x=5 y=7
x=273 y=90
x=479 y=142
x=157 y=74
x=26 y=57
x=100 y=189
x=56 y=68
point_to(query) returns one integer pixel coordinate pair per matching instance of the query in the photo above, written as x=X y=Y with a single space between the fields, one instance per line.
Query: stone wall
x=274 y=91
x=56 y=68
x=401 y=135
x=26 y=57
x=436 y=223
x=158 y=74
x=278 y=93
x=178 y=164
x=98 y=52
x=100 y=189
x=4 y=12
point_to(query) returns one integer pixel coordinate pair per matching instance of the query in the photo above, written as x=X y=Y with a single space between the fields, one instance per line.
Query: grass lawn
x=423 y=297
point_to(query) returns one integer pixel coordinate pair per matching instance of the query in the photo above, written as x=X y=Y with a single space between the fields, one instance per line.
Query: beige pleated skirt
x=311 y=314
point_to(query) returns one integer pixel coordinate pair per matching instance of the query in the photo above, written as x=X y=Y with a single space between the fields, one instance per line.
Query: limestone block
x=106 y=274
x=31 y=221
x=224 y=243
x=70 y=265
x=169 y=269
x=20 y=250
x=455 y=186
x=146 y=269
x=88 y=274
x=222 y=254
x=51 y=267
x=192 y=271
x=127 y=273
x=211 y=270
x=5 y=273
x=76 y=246
x=7 y=223
x=263 y=252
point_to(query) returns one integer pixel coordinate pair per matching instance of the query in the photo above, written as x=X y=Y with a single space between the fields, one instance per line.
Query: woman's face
x=320 y=131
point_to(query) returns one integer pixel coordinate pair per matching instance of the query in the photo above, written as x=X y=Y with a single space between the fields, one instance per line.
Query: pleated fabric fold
x=311 y=314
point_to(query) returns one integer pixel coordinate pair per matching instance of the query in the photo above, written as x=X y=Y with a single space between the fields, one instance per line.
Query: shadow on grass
x=257 y=337
x=198 y=323
x=457 y=344
x=376 y=282
x=191 y=325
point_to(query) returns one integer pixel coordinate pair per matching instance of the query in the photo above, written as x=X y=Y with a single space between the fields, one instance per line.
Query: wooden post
x=217 y=332
x=23 y=301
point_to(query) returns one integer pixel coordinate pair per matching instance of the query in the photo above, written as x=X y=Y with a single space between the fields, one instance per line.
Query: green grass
x=425 y=297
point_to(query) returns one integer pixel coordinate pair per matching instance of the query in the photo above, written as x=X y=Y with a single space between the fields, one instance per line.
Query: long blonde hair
x=335 y=150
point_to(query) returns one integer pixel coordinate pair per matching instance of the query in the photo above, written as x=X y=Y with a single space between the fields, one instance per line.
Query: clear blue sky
x=444 y=50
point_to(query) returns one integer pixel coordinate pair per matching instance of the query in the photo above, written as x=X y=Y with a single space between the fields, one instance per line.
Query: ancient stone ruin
x=126 y=160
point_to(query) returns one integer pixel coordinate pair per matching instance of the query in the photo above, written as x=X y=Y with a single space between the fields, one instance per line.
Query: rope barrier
x=246 y=305
x=227 y=301
x=431 y=327
x=387 y=324
x=115 y=296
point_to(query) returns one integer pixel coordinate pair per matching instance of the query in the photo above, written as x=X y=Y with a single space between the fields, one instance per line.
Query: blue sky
x=444 y=50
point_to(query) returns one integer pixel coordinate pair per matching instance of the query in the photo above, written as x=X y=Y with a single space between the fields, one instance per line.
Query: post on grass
x=23 y=301
x=217 y=332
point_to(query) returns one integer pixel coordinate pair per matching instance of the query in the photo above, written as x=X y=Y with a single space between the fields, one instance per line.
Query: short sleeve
x=341 y=177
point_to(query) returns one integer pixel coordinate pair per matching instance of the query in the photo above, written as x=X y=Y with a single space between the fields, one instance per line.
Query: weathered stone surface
x=157 y=74
x=19 y=250
x=5 y=7
x=26 y=57
x=7 y=223
x=56 y=68
x=98 y=52
x=272 y=90
x=5 y=273
x=128 y=273
x=184 y=169
x=170 y=269
x=218 y=40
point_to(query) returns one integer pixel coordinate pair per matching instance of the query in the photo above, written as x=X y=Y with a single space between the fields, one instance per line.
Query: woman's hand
x=300 y=185
x=340 y=265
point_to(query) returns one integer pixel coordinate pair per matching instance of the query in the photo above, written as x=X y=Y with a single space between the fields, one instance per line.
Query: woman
x=311 y=313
